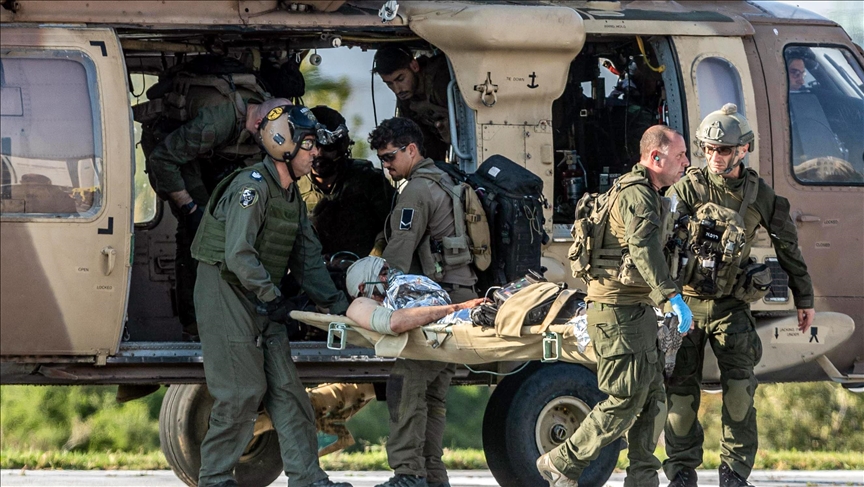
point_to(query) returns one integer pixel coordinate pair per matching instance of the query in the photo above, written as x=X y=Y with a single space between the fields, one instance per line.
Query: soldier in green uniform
x=720 y=308
x=421 y=219
x=210 y=136
x=420 y=85
x=622 y=323
x=348 y=200
x=255 y=230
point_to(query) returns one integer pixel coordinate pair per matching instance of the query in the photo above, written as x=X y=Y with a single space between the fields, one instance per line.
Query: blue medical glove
x=685 y=316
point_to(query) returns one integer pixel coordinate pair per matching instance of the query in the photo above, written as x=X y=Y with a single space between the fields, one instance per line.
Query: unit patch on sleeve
x=248 y=197
x=256 y=176
x=406 y=219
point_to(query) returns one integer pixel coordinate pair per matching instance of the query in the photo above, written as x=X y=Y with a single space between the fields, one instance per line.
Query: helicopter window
x=145 y=197
x=51 y=145
x=718 y=83
x=826 y=114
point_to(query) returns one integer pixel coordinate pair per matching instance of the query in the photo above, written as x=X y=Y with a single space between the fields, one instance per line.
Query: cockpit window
x=826 y=114
x=50 y=142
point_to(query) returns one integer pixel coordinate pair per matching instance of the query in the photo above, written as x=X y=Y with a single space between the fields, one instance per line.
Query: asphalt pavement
x=458 y=478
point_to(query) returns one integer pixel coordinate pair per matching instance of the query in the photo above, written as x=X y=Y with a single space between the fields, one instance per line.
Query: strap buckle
x=337 y=336
x=551 y=347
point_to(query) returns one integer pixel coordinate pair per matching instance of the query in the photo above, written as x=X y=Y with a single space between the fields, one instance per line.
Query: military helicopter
x=564 y=89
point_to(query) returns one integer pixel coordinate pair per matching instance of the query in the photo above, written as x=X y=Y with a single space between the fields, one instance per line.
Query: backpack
x=169 y=106
x=512 y=197
x=469 y=218
x=528 y=301
x=168 y=98
x=586 y=254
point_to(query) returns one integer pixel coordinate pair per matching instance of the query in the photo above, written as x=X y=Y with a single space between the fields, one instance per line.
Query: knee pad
x=681 y=414
x=738 y=399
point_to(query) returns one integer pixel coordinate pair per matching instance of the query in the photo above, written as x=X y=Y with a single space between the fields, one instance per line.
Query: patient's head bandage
x=381 y=320
x=365 y=271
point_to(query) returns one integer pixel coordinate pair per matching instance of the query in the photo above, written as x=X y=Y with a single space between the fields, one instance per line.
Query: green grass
x=375 y=458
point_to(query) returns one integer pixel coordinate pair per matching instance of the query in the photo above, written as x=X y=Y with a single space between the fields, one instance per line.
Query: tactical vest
x=590 y=255
x=275 y=240
x=172 y=106
x=471 y=242
x=717 y=240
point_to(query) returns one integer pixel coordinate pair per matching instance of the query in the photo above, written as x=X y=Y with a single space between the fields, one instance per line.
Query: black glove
x=279 y=309
x=193 y=220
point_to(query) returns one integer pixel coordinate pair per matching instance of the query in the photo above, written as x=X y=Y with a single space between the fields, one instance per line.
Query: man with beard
x=420 y=85
x=720 y=297
x=348 y=200
x=421 y=220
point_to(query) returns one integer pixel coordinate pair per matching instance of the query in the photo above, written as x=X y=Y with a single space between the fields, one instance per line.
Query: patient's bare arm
x=403 y=320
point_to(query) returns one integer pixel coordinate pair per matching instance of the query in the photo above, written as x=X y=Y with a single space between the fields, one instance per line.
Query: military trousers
x=185 y=269
x=247 y=360
x=726 y=324
x=630 y=372
x=417 y=402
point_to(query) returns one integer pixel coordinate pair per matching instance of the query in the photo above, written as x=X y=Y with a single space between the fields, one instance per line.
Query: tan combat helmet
x=726 y=127
x=284 y=129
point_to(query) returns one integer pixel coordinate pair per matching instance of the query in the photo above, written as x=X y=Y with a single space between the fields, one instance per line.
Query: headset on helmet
x=284 y=129
x=726 y=127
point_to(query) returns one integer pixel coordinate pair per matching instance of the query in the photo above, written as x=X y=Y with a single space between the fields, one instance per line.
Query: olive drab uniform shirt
x=769 y=210
x=421 y=217
x=428 y=106
x=242 y=208
x=635 y=226
x=350 y=215
x=202 y=151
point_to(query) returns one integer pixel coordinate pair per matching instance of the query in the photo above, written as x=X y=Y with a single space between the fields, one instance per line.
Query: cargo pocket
x=281 y=369
x=739 y=346
x=246 y=384
x=623 y=351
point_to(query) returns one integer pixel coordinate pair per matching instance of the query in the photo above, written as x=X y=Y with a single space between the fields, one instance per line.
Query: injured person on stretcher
x=411 y=316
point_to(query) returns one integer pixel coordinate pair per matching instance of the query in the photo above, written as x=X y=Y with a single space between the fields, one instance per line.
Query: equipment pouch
x=456 y=251
x=430 y=265
x=580 y=251
x=628 y=274
x=753 y=283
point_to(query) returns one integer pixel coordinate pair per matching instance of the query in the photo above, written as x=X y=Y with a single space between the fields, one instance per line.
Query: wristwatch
x=188 y=208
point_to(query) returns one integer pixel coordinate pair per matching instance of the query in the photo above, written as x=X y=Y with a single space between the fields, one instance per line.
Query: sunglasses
x=307 y=144
x=388 y=157
x=723 y=150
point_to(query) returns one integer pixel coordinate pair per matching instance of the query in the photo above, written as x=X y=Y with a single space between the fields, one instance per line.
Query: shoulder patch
x=248 y=197
x=256 y=176
x=406 y=218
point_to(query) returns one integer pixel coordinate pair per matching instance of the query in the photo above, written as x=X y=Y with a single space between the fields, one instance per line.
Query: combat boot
x=728 y=478
x=326 y=482
x=402 y=480
x=551 y=474
x=686 y=477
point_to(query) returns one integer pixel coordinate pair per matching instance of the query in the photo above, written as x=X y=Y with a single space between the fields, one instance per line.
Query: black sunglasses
x=388 y=157
x=723 y=150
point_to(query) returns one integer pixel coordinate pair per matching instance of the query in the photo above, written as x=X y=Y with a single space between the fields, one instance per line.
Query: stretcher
x=460 y=343
x=783 y=345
